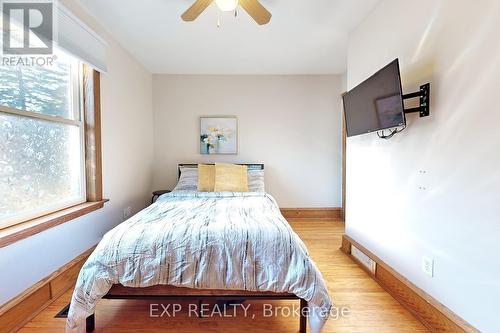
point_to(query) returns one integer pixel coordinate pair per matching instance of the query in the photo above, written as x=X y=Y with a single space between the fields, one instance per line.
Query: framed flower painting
x=219 y=135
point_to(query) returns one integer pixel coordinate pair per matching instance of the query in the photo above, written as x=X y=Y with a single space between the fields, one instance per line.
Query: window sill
x=32 y=227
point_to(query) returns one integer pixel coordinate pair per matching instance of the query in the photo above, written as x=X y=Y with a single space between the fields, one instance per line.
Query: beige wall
x=454 y=45
x=289 y=123
x=127 y=144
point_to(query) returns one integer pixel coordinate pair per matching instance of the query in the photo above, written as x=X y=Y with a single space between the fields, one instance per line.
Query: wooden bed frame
x=165 y=292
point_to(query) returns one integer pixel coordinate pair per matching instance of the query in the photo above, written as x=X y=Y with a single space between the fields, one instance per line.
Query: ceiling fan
x=253 y=7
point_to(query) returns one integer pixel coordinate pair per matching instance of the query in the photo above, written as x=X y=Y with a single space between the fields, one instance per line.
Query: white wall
x=453 y=44
x=127 y=144
x=289 y=123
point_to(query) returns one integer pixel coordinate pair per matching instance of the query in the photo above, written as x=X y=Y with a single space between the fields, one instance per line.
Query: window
x=42 y=141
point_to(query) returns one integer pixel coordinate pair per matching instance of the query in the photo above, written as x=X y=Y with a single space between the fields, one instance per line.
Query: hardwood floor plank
x=371 y=308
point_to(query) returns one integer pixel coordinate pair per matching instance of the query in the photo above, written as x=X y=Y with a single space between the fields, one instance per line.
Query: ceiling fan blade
x=258 y=12
x=195 y=10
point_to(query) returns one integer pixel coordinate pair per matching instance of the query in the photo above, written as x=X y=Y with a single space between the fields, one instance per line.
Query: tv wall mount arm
x=424 y=94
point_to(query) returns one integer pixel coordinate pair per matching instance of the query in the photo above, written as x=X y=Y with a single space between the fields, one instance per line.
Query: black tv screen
x=375 y=104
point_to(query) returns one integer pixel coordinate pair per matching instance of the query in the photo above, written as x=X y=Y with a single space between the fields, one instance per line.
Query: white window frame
x=76 y=92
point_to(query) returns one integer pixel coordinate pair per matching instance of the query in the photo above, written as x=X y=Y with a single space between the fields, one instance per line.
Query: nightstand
x=156 y=195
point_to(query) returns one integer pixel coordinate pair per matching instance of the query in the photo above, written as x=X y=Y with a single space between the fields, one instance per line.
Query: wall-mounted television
x=375 y=104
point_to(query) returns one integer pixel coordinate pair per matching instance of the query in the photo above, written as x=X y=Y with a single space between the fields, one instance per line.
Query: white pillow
x=188 y=181
x=256 y=181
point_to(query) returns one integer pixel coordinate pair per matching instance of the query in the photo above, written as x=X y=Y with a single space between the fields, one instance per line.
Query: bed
x=202 y=246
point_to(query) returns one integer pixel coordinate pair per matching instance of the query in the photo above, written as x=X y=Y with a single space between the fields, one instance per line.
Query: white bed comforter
x=237 y=241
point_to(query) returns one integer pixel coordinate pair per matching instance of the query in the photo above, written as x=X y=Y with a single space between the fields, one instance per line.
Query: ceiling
x=303 y=37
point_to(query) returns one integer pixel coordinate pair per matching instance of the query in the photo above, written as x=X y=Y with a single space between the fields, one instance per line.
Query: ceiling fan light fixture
x=227 y=5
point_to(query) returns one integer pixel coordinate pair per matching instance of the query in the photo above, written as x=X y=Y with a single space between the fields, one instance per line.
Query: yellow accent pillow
x=206 y=178
x=231 y=178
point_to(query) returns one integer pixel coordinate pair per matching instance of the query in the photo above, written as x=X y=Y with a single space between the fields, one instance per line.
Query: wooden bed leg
x=90 y=323
x=303 y=317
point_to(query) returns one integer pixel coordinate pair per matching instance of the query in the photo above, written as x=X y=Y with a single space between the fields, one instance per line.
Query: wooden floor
x=371 y=309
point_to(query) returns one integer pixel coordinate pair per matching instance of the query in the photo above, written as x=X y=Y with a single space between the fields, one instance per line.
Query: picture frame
x=218 y=135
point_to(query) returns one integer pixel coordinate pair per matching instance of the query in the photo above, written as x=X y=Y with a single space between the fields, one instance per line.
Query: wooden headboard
x=188 y=165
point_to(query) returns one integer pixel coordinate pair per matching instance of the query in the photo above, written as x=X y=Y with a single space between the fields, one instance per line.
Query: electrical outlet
x=428 y=266
x=127 y=212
